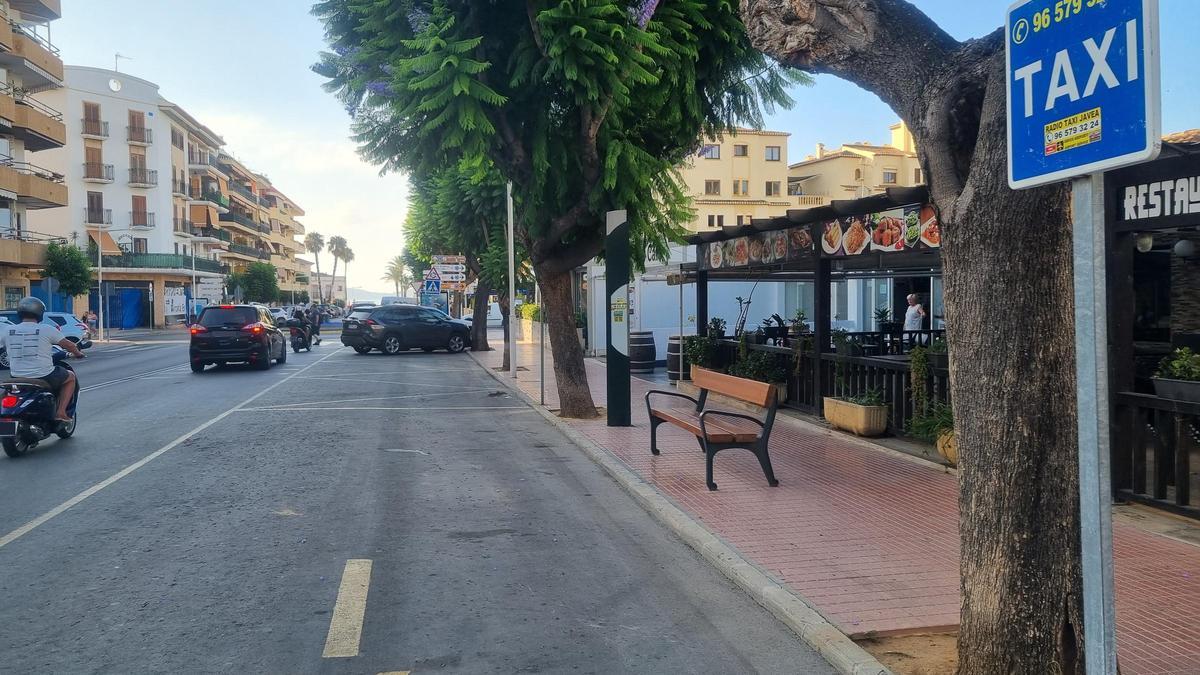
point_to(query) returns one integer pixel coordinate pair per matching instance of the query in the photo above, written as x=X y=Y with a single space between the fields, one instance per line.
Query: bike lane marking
x=63 y=507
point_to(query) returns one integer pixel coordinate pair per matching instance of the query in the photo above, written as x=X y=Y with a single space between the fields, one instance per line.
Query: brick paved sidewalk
x=870 y=538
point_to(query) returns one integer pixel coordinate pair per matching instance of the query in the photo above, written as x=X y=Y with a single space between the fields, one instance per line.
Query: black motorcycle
x=301 y=333
x=28 y=408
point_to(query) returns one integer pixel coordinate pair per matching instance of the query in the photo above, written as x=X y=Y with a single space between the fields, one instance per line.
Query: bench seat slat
x=720 y=430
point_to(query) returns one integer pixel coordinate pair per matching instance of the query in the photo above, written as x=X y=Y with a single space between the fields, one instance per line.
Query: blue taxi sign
x=1083 y=88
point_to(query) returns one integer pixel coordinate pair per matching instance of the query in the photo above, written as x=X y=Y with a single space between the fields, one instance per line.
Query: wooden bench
x=718 y=430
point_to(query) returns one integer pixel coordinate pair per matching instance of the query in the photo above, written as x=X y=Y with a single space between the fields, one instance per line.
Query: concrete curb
x=834 y=646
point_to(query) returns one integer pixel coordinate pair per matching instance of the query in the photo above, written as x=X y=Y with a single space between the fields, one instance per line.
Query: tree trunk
x=558 y=311
x=479 y=318
x=1006 y=259
x=333 y=279
x=506 y=324
x=317 y=262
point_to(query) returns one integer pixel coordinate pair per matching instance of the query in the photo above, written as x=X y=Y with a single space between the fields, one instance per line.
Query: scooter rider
x=314 y=318
x=30 y=346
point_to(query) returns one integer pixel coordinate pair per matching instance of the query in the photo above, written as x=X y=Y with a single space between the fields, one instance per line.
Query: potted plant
x=716 y=328
x=1178 y=376
x=700 y=351
x=938 y=354
x=762 y=367
x=799 y=323
x=864 y=415
x=936 y=425
x=884 y=322
x=844 y=344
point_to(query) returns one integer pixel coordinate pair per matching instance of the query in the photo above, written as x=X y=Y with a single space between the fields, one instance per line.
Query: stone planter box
x=863 y=420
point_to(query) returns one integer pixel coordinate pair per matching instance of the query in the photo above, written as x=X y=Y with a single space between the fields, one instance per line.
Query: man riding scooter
x=30 y=346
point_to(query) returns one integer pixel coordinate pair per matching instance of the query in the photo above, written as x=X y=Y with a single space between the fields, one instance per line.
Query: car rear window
x=360 y=314
x=58 y=320
x=228 y=316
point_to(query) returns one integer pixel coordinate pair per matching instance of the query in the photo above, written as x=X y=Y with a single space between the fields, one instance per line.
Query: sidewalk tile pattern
x=871 y=539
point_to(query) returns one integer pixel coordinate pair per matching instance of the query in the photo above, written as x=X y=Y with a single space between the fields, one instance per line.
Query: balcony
x=244 y=191
x=179 y=189
x=168 y=261
x=141 y=220
x=302 y=278
x=139 y=135
x=183 y=226
x=46 y=10
x=97 y=217
x=97 y=129
x=97 y=173
x=812 y=201
x=33 y=58
x=202 y=159
x=211 y=196
x=248 y=251
x=243 y=220
x=211 y=233
x=17 y=250
x=35 y=187
x=145 y=178
x=39 y=126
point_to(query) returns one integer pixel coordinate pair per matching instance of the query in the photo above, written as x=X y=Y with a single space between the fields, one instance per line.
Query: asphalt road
x=344 y=514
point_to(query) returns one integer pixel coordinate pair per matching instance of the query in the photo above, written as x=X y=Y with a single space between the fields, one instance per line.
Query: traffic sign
x=432 y=286
x=1083 y=90
x=433 y=274
x=453 y=276
x=448 y=259
x=443 y=268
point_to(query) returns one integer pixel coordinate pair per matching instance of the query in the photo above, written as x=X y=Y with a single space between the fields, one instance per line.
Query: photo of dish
x=831 y=241
x=781 y=243
x=931 y=232
x=714 y=256
x=741 y=252
x=756 y=250
x=912 y=228
x=888 y=234
x=856 y=237
x=801 y=239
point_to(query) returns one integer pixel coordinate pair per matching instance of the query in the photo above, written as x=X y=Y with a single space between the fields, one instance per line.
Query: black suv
x=396 y=328
x=236 y=333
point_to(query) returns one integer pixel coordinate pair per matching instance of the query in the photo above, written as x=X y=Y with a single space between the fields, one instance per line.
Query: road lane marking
x=324 y=408
x=356 y=380
x=61 y=508
x=131 y=378
x=345 y=626
x=373 y=398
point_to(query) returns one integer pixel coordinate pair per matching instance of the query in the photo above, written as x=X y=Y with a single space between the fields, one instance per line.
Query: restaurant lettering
x=1175 y=197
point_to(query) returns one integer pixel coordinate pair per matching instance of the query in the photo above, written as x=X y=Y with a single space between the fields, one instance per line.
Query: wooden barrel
x=676 y=370
x=641 y=352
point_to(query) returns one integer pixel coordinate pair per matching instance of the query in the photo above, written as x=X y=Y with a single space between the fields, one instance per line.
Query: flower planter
x=940 y=361
x=947 y=446
x=864 y=420
x=1178 y=390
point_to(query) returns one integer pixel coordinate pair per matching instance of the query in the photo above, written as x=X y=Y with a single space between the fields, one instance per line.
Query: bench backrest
x=750 y=391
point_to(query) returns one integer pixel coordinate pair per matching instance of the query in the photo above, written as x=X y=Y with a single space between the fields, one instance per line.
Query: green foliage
x=700 y=350
x=530 y=311
x=754 y=364
x=397 y=272
x=68 y=266
x=579 y=103
x=301 y=297
x=883 y=314
x=872 y=397
x=716 y=327
x=1182 y=364
x=938 y=419
x=258 y=283
x=938 y=346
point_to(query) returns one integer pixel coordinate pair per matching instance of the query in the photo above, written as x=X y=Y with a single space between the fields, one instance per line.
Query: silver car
x=70 y=325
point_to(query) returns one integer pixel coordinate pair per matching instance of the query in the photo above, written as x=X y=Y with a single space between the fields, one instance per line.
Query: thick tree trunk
x=1006 y=259
x=479 y=318
x=333 y=279
x=574 y=394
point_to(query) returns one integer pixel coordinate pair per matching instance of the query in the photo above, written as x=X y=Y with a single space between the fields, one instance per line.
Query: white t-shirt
x=913 y=318
x=30 y=348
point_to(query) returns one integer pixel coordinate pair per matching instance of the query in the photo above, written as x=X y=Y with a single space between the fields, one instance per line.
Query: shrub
x=531 y=311
x=1182 y=364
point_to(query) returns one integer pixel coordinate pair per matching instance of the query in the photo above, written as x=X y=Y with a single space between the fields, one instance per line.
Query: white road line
x=61 y=508
x=131 y=378
x=356 y=380
x=345 y=626
x=309 y=410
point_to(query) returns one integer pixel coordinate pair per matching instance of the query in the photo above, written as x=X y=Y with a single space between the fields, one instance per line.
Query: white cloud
x=339 y=192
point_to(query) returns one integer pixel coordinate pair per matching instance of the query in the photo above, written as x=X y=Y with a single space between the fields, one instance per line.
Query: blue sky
x=242 y=67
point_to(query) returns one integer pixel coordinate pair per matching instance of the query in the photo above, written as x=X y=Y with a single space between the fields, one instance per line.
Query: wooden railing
x=1156 y=442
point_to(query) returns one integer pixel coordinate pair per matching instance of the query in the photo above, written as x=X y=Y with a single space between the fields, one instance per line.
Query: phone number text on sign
x=1074 y=131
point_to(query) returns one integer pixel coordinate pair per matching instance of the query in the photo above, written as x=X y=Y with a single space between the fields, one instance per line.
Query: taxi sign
x=1083 y=89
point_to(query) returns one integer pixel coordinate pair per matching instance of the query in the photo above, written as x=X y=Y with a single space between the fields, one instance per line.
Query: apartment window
x=858 y=174
x=139 y=245
x=711 y=151
x=773 y=188
x=712 y=187
x=889 y=176
x=139 y=207
x=95 y=207
x=177 y=137
x=176 y=248
x=917 y=178
x=741 y=187
x=744 y=220
x=137 y=158
x=716 y=221
x=741 y=151
x=773 y=153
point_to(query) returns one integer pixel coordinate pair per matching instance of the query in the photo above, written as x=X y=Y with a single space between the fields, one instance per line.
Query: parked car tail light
x=81 y=326
x=254 y=328
x=9 y=401
x=370 y=322
x=197 y=329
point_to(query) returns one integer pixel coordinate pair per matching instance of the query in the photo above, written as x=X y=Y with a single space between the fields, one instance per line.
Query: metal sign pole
x=1091 y=374
x=512 y=288
x=101 y=333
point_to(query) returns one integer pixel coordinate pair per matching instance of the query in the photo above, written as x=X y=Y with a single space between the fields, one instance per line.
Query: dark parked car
x=236 y=333
x=396 y=328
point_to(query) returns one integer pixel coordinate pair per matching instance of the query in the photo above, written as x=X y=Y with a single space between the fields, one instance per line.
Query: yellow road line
x=345 y=626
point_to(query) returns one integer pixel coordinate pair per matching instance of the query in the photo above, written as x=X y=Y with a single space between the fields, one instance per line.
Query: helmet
x=31 y=307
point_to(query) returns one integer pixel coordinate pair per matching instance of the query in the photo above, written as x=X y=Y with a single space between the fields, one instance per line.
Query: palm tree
x=315 y=243
x=396 y=272
x=337 y=246
x=347 y=257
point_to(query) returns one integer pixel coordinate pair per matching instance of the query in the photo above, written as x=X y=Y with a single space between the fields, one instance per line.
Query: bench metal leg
x=709 y=453
x=764 y=460
x=654 y=422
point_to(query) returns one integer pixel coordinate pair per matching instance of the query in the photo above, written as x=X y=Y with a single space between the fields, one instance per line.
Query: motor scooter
x=28 y=408
x=301 y=335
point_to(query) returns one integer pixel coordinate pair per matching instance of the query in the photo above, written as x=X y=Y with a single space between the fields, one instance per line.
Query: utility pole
x=512 y=288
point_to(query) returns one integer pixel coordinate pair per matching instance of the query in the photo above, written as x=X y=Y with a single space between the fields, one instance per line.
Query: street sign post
x=616 y=286
x=433 y=281
x=1082 y=86
x=1083 y=97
